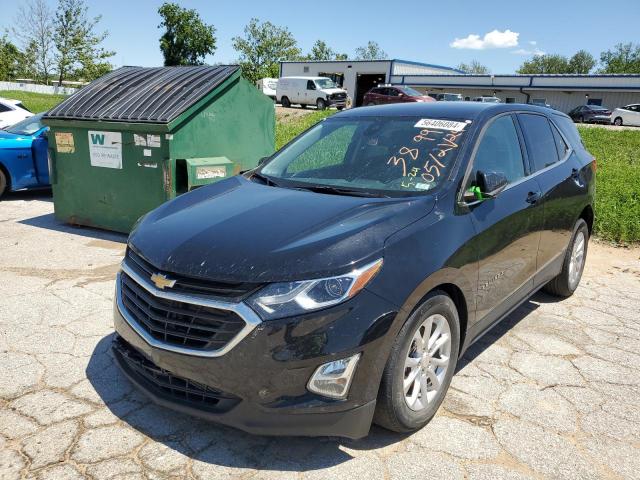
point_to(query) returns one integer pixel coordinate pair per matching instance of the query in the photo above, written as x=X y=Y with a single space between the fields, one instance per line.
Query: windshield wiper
x=338 y=191
x=265 y=179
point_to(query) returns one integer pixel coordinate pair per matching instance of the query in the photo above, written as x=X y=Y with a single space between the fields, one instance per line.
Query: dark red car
x=399 y=94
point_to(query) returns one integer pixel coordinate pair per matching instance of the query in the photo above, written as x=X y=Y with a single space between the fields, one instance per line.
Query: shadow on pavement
x=44 y=195
x=49 y=222
x=216 y=445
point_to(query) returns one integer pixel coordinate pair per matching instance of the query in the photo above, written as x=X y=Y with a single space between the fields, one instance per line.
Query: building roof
x=139 y=94
x=388 y=60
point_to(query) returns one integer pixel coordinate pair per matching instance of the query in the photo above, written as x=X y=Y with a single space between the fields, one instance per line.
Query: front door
x=39 y=150
x=507 y=227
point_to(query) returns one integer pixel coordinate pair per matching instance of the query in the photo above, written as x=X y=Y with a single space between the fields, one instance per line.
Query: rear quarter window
x=568 y=128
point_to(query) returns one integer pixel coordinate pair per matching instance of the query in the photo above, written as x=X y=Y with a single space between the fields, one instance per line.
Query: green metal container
x=138 y=137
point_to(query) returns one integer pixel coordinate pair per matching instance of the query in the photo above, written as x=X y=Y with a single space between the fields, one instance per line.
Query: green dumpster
x=138 y=137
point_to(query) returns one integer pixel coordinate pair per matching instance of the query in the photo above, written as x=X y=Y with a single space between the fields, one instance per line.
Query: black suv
x=339 y=282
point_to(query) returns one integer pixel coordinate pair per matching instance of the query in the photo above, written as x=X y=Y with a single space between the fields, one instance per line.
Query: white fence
x=31 y=87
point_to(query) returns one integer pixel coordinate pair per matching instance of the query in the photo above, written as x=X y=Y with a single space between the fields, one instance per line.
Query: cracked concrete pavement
x=552 y=392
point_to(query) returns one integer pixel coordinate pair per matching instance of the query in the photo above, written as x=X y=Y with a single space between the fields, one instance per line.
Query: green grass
x=618 y=182
x=36 y=102
x=288 y=129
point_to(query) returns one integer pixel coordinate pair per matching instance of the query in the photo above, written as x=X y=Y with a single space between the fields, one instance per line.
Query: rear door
x=632 y=115
x=508 y=226
x=556 y=167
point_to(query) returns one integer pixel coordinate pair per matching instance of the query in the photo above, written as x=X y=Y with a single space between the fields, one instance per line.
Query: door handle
x=533 y=197
x=23 y=155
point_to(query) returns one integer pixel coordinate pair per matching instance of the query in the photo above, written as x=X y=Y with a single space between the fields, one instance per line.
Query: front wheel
x=321 y=104
x=420 y=366
x=618 y=121
x=286 y=103
x=569 y=278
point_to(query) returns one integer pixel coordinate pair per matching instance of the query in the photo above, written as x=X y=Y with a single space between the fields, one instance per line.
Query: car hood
x=331 y=91
x=238 y=230
x=10 y=140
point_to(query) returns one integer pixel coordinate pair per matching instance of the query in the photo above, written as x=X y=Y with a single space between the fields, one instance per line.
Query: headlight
x=292 y=298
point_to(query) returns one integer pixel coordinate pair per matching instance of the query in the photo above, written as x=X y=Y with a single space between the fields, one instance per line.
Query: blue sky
x=420 y=31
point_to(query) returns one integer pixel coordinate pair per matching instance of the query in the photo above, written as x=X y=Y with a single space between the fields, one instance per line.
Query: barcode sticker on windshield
x=441 y=124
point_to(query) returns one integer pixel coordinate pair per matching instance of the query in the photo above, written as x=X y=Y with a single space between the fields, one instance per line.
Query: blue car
x=23 y=155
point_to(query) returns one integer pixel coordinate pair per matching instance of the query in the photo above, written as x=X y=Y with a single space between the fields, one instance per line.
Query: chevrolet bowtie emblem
x=161 y=281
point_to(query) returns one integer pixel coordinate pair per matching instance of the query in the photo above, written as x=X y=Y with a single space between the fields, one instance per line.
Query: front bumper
x=336 y=102
x=267 y=372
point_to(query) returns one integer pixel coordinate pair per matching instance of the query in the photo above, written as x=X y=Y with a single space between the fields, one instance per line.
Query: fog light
x=333 y=379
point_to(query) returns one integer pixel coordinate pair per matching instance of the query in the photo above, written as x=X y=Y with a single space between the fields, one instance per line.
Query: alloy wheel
x=577 y=259
x=427 y=361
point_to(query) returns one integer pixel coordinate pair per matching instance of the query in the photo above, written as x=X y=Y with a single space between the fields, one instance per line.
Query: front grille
x=179 y=323
x=229 y=291
x=165 y=384
x=339 y=96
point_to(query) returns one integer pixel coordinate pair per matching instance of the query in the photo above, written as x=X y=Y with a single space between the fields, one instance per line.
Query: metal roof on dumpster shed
x=140 y=94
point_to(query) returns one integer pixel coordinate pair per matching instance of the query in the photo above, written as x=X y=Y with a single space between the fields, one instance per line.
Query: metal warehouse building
x=359 y=76
x=563 y=92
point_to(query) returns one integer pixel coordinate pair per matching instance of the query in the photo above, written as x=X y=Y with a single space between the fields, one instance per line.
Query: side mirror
x=491 y=183
x=488 y=185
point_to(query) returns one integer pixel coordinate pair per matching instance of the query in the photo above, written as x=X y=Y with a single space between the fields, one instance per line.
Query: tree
x=623 y=58
x=10 y=60
x=261 y=49
x=371 y=51
x=581 y=62
x=187 y=39
x=322 y=52
x=34 y=29
x=549 y=63
x=76 y=43
x=474 y=67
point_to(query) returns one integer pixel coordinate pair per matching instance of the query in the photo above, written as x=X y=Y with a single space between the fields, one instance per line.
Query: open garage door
x=364 y=83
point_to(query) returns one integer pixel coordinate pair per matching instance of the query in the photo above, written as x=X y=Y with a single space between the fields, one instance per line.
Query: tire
x=393 y=410
x=581 y=120
x=285 y=102
x=569 y=278
x=618 y=121
x=340 y=108
x=321 y=104
x=3 y=182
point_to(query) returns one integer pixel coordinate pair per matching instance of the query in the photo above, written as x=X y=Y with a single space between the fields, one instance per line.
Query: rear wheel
x=286 y=103
x=618 y=121
x=419 y=370
x=340 y=108
x=569 y=278
x=321 y=104
x=3 y=182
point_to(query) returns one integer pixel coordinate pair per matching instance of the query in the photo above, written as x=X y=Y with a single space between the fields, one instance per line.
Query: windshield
x=596 y=107
x=411 y=91
x=28 y=126
x=390 y=156
x=325 y=83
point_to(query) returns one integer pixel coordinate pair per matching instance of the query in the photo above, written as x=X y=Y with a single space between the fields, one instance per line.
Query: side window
x=561 y=146
x=499 y=151
x=540 y=142
x=311 y=85
x=393 y=92
x=569 y=129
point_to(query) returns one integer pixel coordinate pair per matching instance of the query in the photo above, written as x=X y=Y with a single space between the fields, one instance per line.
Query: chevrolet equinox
x=338 y=283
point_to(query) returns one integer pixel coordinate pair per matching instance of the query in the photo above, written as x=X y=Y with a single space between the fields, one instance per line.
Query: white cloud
x=493 y=39
x=524 y=51
x=533 y=42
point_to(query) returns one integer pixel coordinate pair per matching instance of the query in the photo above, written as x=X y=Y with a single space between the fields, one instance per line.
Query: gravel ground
x=553 y=392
